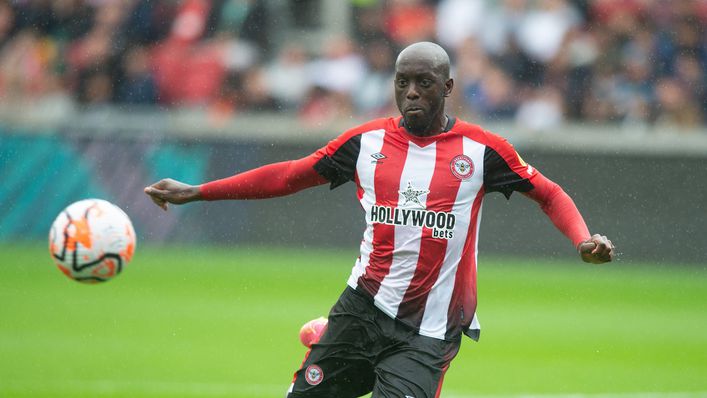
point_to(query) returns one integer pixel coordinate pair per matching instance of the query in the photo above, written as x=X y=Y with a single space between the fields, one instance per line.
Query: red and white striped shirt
x=422 y=197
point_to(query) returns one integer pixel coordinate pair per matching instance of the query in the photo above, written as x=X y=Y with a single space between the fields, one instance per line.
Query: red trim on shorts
x=301 y=366
x=441 y=381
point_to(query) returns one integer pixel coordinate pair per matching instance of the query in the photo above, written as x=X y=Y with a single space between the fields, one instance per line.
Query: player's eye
x=401 y=82
x=426 y=83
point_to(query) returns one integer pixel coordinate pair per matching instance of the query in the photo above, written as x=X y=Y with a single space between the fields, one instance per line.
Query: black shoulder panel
x=341 y=166
x=498 y=176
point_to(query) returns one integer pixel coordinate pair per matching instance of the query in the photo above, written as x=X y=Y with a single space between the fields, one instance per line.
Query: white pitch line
x=127 y=388
x=697 y=394
x=203 y=389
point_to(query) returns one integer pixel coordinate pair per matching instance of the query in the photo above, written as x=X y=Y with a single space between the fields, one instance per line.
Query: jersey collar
x=424 y=141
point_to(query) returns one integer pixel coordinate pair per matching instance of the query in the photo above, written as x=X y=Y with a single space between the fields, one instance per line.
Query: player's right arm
x=334 y=163
x=269 y=181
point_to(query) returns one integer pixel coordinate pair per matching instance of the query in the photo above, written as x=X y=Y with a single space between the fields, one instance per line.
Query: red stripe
x=441 y=381
x=443 y=194
x=306 y=355
x=386 y=184
x=464 y=294
x=359 y=189
x=336 y=143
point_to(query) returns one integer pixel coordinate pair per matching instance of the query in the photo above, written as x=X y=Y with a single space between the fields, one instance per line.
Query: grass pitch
x=219 y=322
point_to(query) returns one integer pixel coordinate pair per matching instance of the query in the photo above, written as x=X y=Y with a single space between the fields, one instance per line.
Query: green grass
x=218 y=322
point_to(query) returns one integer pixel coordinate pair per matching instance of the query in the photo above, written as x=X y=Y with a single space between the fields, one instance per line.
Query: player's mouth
x=414 y=111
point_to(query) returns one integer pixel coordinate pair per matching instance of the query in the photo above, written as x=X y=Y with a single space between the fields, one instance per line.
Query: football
x=92 y=240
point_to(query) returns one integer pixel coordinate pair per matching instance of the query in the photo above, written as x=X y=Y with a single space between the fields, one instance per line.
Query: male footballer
x=421 y=178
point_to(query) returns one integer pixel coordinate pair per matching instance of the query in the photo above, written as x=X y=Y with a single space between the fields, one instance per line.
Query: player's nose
x=412 y=93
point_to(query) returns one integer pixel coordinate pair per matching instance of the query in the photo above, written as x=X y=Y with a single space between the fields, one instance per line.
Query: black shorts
x=365 y=350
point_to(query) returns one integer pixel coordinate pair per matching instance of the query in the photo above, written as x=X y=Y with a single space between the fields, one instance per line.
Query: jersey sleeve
x=269 y=181
x=560 y=208
x=337 y=160
x=504 y=170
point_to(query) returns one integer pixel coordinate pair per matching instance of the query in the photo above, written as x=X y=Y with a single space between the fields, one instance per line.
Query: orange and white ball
x=92 y=240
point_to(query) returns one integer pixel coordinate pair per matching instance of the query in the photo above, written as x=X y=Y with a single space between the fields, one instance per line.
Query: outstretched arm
x=269 y=181
x=562 y=211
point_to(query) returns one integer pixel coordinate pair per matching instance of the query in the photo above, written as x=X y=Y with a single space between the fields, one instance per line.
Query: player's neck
x=437 y=126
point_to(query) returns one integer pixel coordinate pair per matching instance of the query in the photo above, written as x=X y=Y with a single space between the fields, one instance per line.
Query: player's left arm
x=563 y=213
x=506 y=172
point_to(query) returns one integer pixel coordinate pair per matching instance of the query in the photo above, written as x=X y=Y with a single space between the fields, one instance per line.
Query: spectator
x=340 y=69
x=255 y=91
x=96 y=88
x=500 y=21
x=372 y=96
x=542 y=30
x=495 y=97
x=288 y=77
x=138 y=83
x=542 y=111
x=458 y=20
x=472 y=64
x=7 y=22
x=26 y=66
x=630 y=61
x=409 y=21
x=673 y=105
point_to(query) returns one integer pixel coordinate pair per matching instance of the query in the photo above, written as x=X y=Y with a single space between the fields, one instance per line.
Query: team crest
x=462 y=167
x=314 y=375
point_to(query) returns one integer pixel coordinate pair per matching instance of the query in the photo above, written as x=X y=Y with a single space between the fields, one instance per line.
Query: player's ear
x=448 y=86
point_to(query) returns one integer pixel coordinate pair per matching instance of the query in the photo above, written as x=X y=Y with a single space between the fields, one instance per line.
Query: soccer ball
x=92 y=240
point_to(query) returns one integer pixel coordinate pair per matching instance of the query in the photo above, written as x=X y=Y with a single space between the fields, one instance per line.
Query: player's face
x=419 y=94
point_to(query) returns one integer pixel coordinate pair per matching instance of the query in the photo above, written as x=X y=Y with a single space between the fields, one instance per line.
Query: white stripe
x=418 y=170
x=371 y=142
x=475 y=325
x=289 y=390
x=434 y=320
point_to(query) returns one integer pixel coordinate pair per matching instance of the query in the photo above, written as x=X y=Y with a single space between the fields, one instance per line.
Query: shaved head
x=428 y=52
x=422 y=83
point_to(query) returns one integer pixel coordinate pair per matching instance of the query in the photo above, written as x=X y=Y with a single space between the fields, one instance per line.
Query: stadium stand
x=538 y=63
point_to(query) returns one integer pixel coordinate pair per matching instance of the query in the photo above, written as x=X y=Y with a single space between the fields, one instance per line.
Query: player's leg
x=415 y=369
x=340 y=364
x=331 y=375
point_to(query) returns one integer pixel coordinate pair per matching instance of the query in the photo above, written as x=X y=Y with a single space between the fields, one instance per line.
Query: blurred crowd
x=538 y=62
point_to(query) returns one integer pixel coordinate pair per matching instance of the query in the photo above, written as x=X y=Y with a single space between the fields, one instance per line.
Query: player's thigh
x=414 y=371
x=333 y=377
x=337 y=366
x=341 y=364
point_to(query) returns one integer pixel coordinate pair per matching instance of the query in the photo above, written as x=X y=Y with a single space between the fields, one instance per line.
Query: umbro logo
x=377 y=157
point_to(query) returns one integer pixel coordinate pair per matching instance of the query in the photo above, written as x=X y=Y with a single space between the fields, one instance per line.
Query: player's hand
x=171 y=191
x=596 y=250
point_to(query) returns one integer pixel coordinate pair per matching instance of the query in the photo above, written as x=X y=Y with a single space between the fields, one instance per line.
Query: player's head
x=421 y=84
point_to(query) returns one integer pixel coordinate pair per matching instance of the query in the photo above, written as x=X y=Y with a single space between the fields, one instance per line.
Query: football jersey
x=422 y=198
